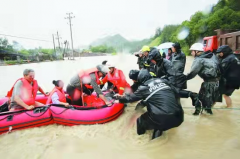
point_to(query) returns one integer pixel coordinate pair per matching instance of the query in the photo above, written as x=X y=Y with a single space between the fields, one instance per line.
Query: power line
x=25 y=38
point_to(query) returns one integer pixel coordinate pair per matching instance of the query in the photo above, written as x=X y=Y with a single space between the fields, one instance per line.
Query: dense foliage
x=224 y=15
x=102 y=49
x=15 y=47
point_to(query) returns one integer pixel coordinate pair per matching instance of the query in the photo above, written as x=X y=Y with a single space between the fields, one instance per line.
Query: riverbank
x=92 y=54
x=15 y=62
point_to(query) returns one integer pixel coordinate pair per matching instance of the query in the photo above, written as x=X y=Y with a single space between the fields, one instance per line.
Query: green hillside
x=224 y=15
x=120 y=44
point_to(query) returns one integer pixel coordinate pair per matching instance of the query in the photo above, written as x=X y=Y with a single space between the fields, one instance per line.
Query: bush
x=11 y=62
x=21 y=61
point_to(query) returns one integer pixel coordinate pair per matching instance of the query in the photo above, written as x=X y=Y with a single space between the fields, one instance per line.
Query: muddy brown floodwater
x=204 y=136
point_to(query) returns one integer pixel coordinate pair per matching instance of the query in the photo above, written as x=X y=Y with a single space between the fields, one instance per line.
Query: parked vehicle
x=223 y=37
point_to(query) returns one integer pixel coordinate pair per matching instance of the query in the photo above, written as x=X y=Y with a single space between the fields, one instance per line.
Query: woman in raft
x=57 y=96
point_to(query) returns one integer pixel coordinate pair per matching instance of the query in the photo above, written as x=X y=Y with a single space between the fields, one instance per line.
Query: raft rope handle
x=3 y=118
x=58 y=113
x=48 y=107
x=14 y=113
x=26 y=113
x=96 y=107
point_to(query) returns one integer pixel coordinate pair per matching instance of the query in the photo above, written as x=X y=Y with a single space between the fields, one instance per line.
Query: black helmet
x=104 y=62
x=143 y=76
x=155 y=55
x=177 y=46
x=133 y=74
x=224 y=49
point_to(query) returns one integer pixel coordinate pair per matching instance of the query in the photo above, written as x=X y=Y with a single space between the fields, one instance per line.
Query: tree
x=24 y=52
x=17 y=46
x=165 y=35
x=5 y=45
x=232 y=4
x=224 y=18
x=157 y=32
x=46 y=51
x=225 y=15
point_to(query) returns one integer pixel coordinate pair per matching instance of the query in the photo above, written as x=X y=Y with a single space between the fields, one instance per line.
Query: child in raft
x=57 y=95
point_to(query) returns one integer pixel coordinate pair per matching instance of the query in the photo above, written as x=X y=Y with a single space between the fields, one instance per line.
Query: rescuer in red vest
x=23 y=93
x=86 y=81
x=57 y=95
x=117 y=78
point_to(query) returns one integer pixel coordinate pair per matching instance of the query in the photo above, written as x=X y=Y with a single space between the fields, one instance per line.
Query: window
x=205 y=42
x=221 y=41
x=209 y=43
x=238 y=42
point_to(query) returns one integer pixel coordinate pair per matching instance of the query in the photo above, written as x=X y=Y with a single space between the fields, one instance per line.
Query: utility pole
x=69 y=17
x=67 y=49
x=61 y=45
x=58 y=40
x=54 y=45
x=65 y=44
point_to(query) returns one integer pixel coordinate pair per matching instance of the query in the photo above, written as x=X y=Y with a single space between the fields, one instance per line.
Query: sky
x=133 y=19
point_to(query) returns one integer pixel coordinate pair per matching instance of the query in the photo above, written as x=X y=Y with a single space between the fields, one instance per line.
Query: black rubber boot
x=197 y=111
x=140 y=128
x=195 y=99
x=208 y=111
x=156 y=133
x=198 y=107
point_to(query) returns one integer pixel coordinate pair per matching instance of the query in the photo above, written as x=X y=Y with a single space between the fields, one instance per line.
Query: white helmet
x=197 y=47
x=110 y=65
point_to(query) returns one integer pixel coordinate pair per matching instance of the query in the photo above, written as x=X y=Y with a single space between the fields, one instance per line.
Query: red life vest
x=115 y=78
x=118 y=80
x=60 y=93
x=85 y=74
x=28 y=91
